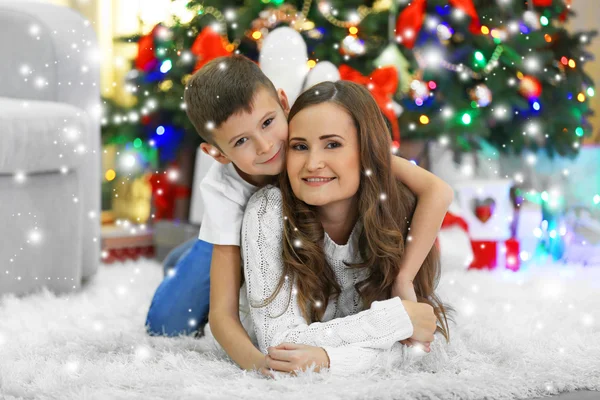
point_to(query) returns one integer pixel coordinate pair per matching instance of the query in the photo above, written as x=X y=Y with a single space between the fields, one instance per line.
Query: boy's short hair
x=223 y=87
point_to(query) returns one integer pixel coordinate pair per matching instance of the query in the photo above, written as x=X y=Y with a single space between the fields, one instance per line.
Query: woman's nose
x=314 y=162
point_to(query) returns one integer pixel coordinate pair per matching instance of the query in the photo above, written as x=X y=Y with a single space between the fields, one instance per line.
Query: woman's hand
x=291 y=357
x=405 y=289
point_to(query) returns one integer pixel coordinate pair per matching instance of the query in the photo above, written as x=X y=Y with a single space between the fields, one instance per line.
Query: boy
x=243 y=119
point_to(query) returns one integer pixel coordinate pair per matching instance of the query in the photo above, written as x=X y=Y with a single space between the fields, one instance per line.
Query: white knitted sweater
x=354 y=339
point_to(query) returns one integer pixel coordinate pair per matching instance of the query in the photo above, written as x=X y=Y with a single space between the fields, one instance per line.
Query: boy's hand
x=424 y=324
x=290 y=357
x=264 y=369
x=404 y=289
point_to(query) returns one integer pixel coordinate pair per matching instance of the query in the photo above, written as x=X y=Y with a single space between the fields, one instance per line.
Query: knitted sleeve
x=375 y=329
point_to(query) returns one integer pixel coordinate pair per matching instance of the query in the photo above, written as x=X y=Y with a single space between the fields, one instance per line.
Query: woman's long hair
x=386 y=223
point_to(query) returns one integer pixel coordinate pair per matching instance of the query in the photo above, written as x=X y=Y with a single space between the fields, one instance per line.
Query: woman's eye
x=240 y=142
x=299 y=147
x=268 y=122
x=333 y=145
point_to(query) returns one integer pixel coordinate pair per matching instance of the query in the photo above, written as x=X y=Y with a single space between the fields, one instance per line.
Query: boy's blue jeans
x=180 y=304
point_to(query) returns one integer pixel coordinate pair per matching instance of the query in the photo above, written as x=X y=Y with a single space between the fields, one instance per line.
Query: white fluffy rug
x=518 y=335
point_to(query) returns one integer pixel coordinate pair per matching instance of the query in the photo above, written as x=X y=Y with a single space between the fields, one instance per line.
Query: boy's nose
x=263 y=145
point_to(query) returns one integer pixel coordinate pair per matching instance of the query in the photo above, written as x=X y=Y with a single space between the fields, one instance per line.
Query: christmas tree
x=505 y=71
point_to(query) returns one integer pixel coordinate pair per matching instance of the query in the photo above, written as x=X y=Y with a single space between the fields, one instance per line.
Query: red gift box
x=494 y=254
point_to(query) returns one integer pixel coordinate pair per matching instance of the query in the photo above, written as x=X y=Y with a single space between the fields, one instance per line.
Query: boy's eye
x=240 y=142
x=333 y=145
x=267 y=122
x=299 y=147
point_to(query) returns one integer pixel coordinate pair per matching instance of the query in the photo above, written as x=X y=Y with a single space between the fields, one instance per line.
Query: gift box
x=489 y=254
x=486 y=213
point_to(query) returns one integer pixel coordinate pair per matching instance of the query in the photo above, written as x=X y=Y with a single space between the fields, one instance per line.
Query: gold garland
x=218 y=15
x=363 y=11
x=306 y=8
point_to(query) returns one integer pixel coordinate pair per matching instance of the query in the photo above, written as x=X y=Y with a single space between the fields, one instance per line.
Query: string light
x=110 y=175
x=466 y=118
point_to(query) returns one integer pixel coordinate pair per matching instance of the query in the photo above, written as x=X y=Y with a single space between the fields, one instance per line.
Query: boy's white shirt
x=225 y=196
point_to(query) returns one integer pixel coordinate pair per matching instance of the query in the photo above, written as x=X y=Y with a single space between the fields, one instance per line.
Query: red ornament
x=530 y=87
x=483 y=213
x=146 y=60
x=410 y=20
x=165 y=195
x=207 y=46
x=146 y=120
x=563 y=15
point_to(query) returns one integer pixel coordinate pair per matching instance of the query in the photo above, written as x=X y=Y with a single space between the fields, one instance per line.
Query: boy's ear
x=215 y=153
x=285 y=104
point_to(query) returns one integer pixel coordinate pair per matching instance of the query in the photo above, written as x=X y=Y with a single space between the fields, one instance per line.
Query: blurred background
x=496 y=97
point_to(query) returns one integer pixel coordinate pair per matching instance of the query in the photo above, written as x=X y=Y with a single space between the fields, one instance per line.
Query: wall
x=588 y=15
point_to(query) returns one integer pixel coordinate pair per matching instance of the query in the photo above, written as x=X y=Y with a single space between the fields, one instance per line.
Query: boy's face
x=255 y=142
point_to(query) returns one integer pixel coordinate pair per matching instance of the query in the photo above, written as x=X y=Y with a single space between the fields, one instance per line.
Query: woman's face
x=323 y=157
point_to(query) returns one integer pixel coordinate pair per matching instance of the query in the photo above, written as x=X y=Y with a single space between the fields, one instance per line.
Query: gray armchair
x=49 y=148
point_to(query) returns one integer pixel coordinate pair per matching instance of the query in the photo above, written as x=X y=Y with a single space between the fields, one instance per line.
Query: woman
x=322 y=252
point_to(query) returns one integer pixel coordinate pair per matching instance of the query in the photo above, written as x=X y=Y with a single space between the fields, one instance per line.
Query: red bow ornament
x=207 y=46
x=382 y=83
x=410 y=20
